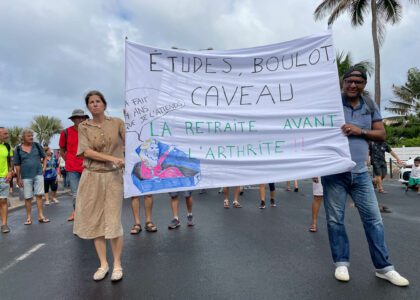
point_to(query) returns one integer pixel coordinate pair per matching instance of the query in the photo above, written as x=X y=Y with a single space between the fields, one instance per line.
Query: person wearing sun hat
x=69 y=139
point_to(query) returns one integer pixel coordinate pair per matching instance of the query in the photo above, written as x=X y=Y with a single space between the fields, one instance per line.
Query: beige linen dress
x=100 y=194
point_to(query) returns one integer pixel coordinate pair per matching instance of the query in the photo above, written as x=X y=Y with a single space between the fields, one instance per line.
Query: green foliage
x=45 y=128
x=406 y=132
x=408 y=96
x=14 y=135
x=414 y=142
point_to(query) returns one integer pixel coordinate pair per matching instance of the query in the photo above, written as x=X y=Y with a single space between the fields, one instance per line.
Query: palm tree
x=382 y=12
x=408 y=95
x=14 y=135
x=45 y=127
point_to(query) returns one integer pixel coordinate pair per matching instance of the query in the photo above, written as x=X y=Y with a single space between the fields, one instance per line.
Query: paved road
x=230 y=254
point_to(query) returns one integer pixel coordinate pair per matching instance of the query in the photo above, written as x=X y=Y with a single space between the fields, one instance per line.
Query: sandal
x=236 y=204
x=28 y=222
x=226 y=203
x=43 y=220
x=135 y=229
x=150 y=227
x=382 y=191
x=313 y=228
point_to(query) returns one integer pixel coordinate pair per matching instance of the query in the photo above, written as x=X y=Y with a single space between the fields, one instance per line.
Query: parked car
x=406 y=171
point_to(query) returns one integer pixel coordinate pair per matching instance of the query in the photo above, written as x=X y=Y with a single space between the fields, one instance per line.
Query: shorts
x=413 y=181
x=33 y=186
x=317 y=188
x=4 y=188
x=380 y=170
x=178 y=194
x=50 y=183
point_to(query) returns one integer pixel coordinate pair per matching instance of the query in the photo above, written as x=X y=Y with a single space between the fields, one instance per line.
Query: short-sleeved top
x=377 y=152
x=107 y=138
x=4 y=164
x=362 y=117
x=73 y=163
x=30 y=163
x=415 y=171
x=51 y=169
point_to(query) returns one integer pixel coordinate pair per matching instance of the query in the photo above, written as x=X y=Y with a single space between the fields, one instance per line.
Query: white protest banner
x=225 y=118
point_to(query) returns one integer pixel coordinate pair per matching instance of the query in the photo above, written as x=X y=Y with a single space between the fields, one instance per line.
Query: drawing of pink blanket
x=170 y=172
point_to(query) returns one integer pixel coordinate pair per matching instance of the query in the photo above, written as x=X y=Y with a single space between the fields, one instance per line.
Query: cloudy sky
x=53 y=52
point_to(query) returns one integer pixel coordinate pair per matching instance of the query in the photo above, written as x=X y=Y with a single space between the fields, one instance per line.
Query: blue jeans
x=74 y=178
x=359 y=186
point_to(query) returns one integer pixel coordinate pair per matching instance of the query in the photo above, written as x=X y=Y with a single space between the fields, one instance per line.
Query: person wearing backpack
x=69 y=139
x=6 y=174
x=362 y=124
x=27 y=160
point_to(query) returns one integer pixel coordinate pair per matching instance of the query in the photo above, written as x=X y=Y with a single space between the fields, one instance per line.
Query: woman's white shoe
x=117 y=274
x=100 y=273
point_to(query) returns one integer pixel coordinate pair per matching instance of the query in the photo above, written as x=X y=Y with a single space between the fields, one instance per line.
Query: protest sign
x=208 y=119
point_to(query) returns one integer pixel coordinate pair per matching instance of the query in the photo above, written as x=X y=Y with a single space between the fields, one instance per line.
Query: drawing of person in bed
x=150 y=165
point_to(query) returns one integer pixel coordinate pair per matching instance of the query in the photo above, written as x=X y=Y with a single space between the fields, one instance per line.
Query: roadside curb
x=17 y=204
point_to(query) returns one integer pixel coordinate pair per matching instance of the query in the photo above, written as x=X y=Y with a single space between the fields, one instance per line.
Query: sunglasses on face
x=356 y=82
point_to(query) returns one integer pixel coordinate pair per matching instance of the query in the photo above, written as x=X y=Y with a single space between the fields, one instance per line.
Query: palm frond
x=358 y=9
x=342 y=7
x=391 y=10
x=14 y=135
x=324 y=8
x=380 y=27
x=367 y=65
x=45 y=128
x=408 y=95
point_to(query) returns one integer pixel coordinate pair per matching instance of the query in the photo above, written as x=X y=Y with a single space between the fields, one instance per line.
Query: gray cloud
x=53 y=52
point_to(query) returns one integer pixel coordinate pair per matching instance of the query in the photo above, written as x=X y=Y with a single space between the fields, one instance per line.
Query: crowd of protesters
x=91 y=160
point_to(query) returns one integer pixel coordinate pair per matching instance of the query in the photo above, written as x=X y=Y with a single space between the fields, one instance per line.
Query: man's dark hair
x=358 y=68
x=417 y=158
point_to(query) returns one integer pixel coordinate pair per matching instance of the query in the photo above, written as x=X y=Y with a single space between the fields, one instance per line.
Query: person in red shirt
x=69 y=140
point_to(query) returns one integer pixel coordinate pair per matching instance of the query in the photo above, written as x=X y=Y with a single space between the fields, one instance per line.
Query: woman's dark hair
x=95 y=93
x=417 y=158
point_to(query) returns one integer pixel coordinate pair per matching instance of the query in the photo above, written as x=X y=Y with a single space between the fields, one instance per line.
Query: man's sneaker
x=342 y=273
x=5 y=228
x=190 y=221
x=273 y=203
x=394 y=277
x=174 y=224
x=262 y=205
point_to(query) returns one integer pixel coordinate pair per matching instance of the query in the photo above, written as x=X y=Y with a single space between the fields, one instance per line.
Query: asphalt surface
x=244 y=253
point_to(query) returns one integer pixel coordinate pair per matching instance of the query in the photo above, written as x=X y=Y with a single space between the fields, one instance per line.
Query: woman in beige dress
x=100 y=193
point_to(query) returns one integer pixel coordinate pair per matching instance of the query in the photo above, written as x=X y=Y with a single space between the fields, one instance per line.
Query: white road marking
x=22 y=257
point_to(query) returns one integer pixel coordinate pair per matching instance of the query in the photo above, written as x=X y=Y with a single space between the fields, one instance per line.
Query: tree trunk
x=376 y=53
